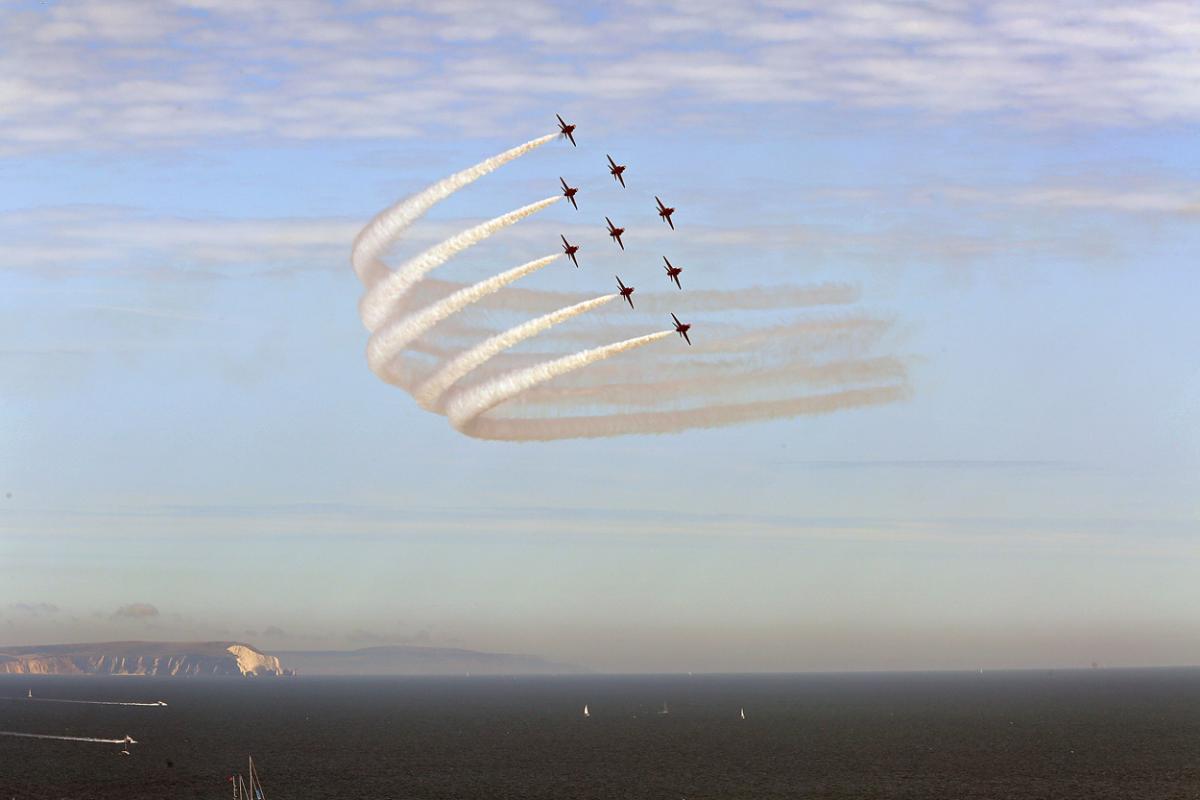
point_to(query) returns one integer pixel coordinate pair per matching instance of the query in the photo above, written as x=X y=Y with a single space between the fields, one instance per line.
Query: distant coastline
x=177 y=659
x=238 y=659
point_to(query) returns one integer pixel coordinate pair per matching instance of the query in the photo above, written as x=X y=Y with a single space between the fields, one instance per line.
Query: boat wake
x=125 y=740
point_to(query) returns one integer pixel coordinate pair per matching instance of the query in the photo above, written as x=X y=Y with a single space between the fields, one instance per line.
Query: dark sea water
x=1094 y=734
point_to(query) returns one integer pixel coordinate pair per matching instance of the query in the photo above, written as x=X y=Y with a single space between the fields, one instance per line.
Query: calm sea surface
x=1094 y=734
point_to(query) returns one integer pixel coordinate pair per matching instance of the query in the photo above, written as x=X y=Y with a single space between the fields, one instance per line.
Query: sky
x=1003 y=195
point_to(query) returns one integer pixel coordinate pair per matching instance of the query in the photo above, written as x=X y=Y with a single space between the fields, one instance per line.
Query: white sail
x=585 y=710
x=743 y=713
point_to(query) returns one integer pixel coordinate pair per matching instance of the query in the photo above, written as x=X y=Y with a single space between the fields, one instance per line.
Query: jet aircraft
x=665 y=212
x=570 y=249
x=626 y=291
x=682 y=328
x=615 y=232
x=566 y=130
x=569 y=192
x=672 y=271
x=617 y=171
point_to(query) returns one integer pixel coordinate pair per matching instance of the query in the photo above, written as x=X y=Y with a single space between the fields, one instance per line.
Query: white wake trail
x=388 y=224
x=387 y=342
x=64 y=738
x=87 y=702
x=377 y=303
x=469 y=405
x=429 y=393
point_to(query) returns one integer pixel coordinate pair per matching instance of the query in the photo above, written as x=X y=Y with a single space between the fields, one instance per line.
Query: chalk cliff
x=140 y=658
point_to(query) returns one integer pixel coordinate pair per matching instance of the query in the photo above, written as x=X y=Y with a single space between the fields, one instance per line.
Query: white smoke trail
x=761 y=298
x=795 y=340
x=678 y=385
x=526 y=430
x=381 y=231
x=429 y=393
x=380 y=298
x=387 y=342
x=65 y=738
x=469 y=405
x=721 y=381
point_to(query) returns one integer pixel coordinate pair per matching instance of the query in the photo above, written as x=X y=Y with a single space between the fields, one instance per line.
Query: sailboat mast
x=254 y=780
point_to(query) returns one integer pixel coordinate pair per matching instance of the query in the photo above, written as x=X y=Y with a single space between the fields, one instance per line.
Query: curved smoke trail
x=65 y=738
x=387 y=342
x=388 y=224
x=760 y=298
x=526 y=430
x=466 y=407
x=746 y=364
x=699 y=382
x=429 y=393
x=381 y=297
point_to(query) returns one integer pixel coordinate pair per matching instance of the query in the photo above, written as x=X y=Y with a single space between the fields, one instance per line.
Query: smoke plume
x=770 y=351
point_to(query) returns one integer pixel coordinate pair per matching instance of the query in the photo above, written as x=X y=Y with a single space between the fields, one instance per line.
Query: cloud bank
x=136 y=611
x=103 y=74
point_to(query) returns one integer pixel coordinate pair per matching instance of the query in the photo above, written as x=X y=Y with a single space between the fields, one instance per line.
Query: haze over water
x=1065 y=734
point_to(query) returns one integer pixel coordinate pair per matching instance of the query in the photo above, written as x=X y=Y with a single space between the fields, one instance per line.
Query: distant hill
x=418 y=660
x=140 y=658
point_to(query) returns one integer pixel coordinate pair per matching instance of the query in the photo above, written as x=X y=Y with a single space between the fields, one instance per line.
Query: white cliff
x=252 y=662
x=141 y=658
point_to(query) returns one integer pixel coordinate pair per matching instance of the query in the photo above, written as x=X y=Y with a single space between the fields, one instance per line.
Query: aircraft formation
x=615 y=233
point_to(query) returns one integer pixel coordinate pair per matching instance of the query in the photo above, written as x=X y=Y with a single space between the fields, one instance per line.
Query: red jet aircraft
x=566 y=130
x=616 y=170
x=626 y=291
x=569 y=192
x=672 y=272
x=665 y=213
x=615 y=232
x=682 y=329
x=570 y=249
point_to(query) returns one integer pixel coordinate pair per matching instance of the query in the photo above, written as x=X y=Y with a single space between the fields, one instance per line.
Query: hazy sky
x=192 y=444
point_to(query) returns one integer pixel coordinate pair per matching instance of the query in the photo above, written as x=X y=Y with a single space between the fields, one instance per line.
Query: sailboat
x=743 y=713
x=585 y=710
x=247 y=789
x=665 y=710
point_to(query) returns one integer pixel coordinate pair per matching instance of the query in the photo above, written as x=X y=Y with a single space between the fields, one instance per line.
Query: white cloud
x=1154 y=200
x=118 y=72
x=139 y=611
x=100 y=241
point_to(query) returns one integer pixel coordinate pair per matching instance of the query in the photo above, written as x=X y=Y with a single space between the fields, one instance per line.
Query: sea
x=1088 y=734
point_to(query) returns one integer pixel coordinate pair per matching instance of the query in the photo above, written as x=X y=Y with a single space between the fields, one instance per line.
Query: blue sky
x=1010 y=191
